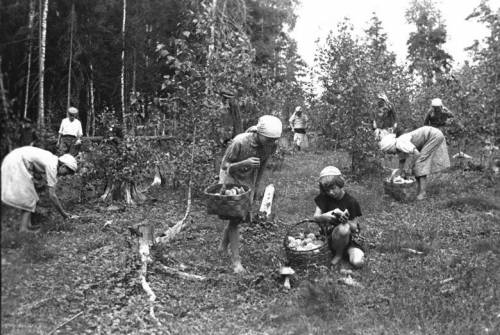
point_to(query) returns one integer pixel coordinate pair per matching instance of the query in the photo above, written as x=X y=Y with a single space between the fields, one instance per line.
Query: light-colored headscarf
x=389 y=142
x=436 y=102
x=382 y=96
x=269 y=126
x=330 y=171
x=73 y=111
x=69 y=161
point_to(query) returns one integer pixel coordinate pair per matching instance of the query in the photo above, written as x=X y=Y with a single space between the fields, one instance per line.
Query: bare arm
x=252 y=162
x=55 y=200
x=321 y=217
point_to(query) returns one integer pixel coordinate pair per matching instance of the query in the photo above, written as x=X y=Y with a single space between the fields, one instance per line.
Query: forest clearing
x=182 y=167
x=446 y=286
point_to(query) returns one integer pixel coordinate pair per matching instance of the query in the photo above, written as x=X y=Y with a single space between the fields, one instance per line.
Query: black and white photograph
x=253 y=167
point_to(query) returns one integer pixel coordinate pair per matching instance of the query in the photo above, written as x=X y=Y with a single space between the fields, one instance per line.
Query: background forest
x=160 y=67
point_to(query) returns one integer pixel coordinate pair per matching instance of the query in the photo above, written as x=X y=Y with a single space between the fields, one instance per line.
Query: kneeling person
x=341 y=228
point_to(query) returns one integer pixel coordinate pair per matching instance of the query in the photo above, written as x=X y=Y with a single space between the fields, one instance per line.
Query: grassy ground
x=450 y=287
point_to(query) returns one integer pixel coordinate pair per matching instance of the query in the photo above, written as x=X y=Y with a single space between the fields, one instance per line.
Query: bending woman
x=421 y=152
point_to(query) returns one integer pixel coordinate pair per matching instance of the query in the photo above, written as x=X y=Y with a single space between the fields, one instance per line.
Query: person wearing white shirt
x=298 y=124
x=70 y=134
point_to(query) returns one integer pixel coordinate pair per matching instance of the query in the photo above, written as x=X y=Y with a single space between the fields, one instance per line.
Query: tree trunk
x=92 y=110
x=234 y=111
x=211 y=49
x=44 y=9
x=72 y=18
x=30 y=43
x=122 y=77
x=6 y=113
x=126 y=191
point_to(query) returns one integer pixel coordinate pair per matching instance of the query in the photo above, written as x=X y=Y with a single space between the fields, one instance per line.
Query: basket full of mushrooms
x=228 y=200
x=399 y=188
x=306 y=245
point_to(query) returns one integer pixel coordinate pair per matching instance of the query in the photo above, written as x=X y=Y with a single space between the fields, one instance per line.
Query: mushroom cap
x=287 y=271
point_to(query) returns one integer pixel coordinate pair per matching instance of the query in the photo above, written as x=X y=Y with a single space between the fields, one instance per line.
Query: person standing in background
x=298 y=124
x=70 y=134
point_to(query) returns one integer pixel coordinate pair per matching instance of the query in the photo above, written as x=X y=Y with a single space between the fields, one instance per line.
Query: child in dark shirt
x=340 y=227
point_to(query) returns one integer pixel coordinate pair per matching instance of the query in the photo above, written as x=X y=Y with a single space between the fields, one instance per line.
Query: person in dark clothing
x=437 y=116
x=28 y=135
x=385 y=116
x=336 y=212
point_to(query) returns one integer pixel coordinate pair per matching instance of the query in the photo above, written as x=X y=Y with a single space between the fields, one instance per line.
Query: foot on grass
x=335 y=260
x=239 y=269
x=421 y=196
x=30 y=230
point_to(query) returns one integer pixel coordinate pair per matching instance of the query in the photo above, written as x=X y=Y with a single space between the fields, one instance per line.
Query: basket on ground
x=322 y=255
x=230 y=206
x=404 y=192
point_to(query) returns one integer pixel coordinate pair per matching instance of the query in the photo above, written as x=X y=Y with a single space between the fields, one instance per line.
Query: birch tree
x=31 y=19
x=44 y=9
x=68 y=104
x=122 y=76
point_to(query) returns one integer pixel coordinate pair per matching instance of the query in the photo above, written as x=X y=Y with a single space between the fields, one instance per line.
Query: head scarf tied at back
x=389 y=142
x=69 y=161
x=269 y=126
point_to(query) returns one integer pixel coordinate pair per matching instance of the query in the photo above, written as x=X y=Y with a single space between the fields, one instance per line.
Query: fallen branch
x=412 y=251
x=145 y=232
x=149 y=291
x=181 y=274
x=65 y=322
x=142 y=137
x=170 y=233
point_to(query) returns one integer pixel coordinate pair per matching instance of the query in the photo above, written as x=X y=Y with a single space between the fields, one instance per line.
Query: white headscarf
x=269 y=126
x=330 y=171
x=73 y=111
x=69 y=161
x=387 y=143
x=436 y=102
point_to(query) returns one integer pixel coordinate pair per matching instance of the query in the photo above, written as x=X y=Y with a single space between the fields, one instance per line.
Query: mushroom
x=286 y=271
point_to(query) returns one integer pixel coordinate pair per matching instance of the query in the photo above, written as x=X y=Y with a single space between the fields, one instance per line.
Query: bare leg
x=225 y=240
x=25 y=221
x=340 y=241
x=234 y=245
x=422 y=185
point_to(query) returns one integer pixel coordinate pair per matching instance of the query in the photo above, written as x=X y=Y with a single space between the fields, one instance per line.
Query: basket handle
x=301 y=222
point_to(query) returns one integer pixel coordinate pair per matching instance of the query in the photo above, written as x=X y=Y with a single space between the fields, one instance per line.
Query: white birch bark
x=44 y=9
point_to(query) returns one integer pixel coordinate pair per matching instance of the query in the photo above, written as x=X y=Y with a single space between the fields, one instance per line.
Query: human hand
x=69 y=216
x=330 y=217
x=342 y=216
x=78 y=142
x=253 y=162
x=354 y=227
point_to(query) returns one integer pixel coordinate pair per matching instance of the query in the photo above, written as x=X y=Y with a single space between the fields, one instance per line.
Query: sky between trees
x=317 y=17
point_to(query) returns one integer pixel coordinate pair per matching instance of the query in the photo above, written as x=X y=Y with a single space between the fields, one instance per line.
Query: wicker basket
x=404 y=192
x=322 y=255
x=228 y=206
